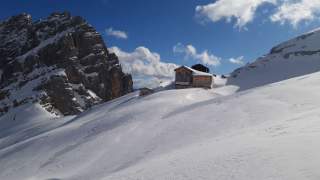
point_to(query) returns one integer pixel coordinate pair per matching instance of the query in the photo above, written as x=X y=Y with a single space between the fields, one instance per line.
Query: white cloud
x=146 y=67
x=238 y=60
x=295 y=12
x=191 y=52
x=242 y=11
x=116 y=33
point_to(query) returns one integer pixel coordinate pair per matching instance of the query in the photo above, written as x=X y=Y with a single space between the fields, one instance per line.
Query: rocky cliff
x=60 y=62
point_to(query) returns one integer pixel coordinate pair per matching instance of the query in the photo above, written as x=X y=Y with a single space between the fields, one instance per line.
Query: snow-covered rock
x=59 y=62
x=296 y=57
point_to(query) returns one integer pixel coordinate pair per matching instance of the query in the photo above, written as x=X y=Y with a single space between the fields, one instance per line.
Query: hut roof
x=195 y=72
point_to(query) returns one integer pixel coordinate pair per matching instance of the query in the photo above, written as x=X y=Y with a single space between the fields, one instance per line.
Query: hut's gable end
x=183 y=76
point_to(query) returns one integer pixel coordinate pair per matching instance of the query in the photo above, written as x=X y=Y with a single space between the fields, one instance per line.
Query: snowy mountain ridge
x=296 y=57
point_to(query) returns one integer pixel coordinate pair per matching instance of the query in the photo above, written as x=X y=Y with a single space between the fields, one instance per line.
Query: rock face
x=60 y=62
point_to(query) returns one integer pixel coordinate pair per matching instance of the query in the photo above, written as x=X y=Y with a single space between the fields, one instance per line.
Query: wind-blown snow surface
x=267 y=133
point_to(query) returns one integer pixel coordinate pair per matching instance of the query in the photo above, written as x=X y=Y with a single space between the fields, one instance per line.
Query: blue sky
x=216 y=30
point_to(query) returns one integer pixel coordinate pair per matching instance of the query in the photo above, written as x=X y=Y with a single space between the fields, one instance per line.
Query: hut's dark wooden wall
x=183 y=75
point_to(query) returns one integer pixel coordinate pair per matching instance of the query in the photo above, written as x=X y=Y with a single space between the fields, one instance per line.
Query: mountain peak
x=23 y=18
x=60 y=62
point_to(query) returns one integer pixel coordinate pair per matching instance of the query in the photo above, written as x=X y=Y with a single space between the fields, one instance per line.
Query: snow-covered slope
x=296 y=57
x=266 y=133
